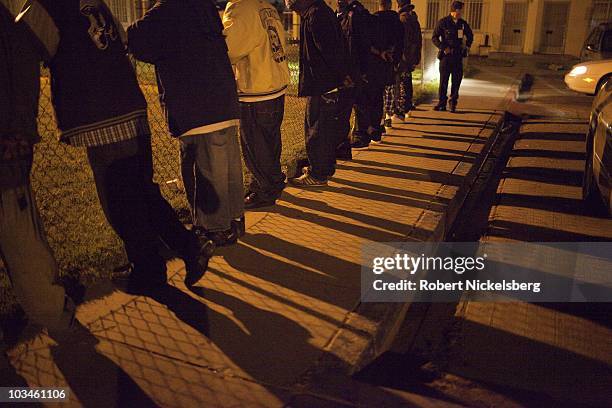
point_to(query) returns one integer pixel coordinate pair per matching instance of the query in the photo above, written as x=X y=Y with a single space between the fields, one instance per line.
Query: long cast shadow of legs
x=10 y=378
x=95 y=379
x=275 y=349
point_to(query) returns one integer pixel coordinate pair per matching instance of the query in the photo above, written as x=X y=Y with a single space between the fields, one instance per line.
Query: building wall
x=493 y=15
x=580 y=13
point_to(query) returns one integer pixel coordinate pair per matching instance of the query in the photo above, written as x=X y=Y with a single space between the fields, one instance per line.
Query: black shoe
x=453 y=107
x=440 y=108
x=223 y=238
x=344 y=155
x=73 y=288
x=124 y=279
x=197 y=264
x=255 y=200
x=360 y=145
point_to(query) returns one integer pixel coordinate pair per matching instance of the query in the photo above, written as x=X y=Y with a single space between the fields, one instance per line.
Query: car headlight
x=578 y=70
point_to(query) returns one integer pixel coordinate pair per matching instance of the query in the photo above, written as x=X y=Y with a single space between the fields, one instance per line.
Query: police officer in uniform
x=453 y=37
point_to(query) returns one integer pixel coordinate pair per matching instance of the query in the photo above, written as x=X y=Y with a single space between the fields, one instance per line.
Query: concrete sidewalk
x=553 y=353
x=286 y=297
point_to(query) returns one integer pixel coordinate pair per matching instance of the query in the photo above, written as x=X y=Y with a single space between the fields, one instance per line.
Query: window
x=601 y=12
x=435 y=8
x=473 y=12
x=606 y=44
x=595 y=39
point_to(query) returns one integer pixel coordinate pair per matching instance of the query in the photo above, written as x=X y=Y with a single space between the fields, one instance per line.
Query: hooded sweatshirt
x=95 y=92
x=184 y=40
x=413 y=39
x=257 y=48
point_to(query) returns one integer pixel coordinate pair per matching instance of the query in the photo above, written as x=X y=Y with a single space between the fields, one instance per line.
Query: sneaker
x=256 y=200
x=440 y=108
x=307 y=181
x=388 y=123
x=398 y=119
x=360 y=145
x=376 y=137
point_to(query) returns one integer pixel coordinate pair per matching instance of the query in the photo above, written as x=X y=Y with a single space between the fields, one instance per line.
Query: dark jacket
x=390 y=38
x=446 y=35
x=413 y=40
x=323 y=62
x=184 y=39
x=19 y=89
x=359 y=30
x=92 y=81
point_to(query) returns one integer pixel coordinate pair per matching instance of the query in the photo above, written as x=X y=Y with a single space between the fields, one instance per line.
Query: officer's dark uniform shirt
x=455 y=36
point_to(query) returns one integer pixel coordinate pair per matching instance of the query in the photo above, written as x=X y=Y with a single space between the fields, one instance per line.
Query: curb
x=347 y=353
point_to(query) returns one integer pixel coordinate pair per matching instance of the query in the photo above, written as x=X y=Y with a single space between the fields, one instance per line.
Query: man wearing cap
x=399 y=97
x=324 y=78
x=453 y=37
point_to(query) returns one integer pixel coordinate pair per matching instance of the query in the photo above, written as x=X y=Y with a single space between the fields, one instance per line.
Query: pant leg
x=457 y=78
x=119 y=182
x=163 y=218
x=187 y=156
x=219 y=195
x=345 y=104
x=445 y=73
x=400 y=94
x=235 y=175
x=28 y=259
x=323 y=129
x=362 y=114
x=377 y=108
x=389 y=96
x=260 y=135
x=408 y=91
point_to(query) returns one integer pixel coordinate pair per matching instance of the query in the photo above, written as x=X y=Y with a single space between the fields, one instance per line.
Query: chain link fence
x=77 y=230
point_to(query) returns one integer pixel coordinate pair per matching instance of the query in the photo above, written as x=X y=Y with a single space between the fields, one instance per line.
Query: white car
x=588 y=77
x=597 y=182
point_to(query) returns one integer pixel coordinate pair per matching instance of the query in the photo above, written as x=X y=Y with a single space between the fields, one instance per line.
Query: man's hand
x=348 y=82
x=14 y=147
x=387 y=56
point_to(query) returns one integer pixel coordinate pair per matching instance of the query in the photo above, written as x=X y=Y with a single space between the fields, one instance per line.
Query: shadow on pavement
x=545 y=175
x=426 y=155
x=408 y=173
x=561 y=137
x=435 y=149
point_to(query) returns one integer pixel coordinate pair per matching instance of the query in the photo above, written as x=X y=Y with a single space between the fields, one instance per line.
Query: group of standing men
x=363 y=61
x=213 y=75
x=216 y=78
